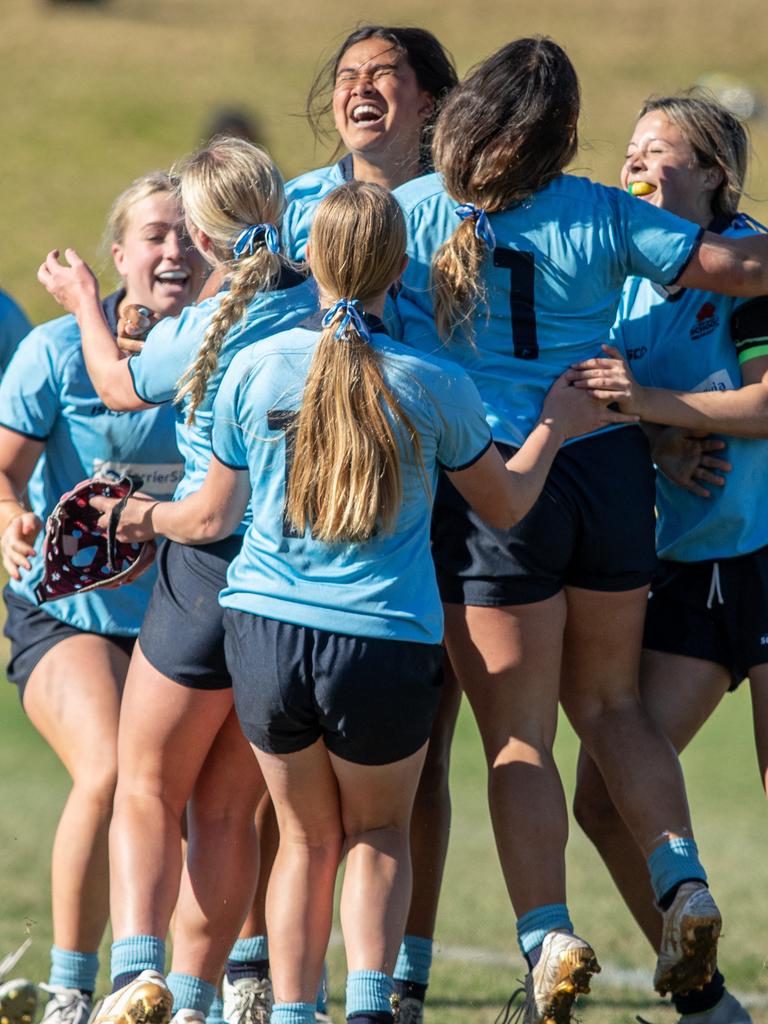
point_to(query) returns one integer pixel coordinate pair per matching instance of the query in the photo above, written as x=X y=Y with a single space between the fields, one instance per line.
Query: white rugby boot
x=691 y=928
x=145 y=1000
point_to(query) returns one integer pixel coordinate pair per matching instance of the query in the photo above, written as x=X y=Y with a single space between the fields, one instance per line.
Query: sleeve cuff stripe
x=229 y=465
x=689 y=257
x=135 y=387
x=466 y=465
x=24 y=433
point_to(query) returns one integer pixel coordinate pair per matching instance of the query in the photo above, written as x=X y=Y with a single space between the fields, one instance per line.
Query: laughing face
x=661 y=167
x=378 y=105
x=159 y=266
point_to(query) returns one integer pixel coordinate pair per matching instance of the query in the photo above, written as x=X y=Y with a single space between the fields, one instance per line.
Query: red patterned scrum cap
x=77 y=555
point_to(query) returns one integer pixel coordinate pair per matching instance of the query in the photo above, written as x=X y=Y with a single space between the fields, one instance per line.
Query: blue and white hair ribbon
x=352 y=314
x=253 y=237
x=483 y=229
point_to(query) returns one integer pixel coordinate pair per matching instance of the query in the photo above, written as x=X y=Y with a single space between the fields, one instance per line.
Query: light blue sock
x=369 y=992
x=71 y=969
x=137 y=953
x=190 y=992
x=533 y=926
x=255 y=948
x=293 y=1013
x=414 y=960
x=216 y=1012
x=674 y=862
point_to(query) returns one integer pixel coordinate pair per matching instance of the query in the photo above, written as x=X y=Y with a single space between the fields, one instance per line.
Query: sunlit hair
x=142 y=188
x=225 y=187
x=430 y=61
x=351 y=433
x=507 y=130
x=718 y=139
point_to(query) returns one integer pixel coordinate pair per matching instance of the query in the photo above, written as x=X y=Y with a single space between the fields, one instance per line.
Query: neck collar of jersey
x=111 y=307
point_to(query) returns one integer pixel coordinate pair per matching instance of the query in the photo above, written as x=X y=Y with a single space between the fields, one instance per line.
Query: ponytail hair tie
x=352 y=314
x=483 y=229
x=256 y=237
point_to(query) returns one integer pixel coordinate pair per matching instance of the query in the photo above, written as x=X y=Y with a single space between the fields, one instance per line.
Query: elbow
x=502 y=515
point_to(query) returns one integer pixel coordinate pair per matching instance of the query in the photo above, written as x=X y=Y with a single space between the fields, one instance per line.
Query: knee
x=96 y=782
x=592 y=806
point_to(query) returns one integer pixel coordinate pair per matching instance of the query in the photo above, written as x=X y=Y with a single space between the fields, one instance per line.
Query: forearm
x=530 y=465
x=195 y=519
x=740 y=413
x=106 y=366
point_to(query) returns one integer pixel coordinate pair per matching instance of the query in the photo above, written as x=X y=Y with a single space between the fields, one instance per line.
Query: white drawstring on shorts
x=714 y=586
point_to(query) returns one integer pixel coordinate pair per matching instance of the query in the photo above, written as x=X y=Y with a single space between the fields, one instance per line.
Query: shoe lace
x=252 y=1003
x=68 y=1004
x=510 y=1014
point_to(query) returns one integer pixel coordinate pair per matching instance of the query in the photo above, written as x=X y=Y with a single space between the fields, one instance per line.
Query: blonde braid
x=254 y=274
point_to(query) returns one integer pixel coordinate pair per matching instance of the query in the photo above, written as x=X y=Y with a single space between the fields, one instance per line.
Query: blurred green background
x=96 y=93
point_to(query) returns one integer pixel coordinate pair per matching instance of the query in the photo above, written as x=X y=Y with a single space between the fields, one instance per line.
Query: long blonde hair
x=351 y=432
x=226 y=188
x=504 y=133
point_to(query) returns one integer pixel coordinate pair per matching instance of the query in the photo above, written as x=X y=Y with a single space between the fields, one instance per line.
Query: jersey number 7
x=522 y=310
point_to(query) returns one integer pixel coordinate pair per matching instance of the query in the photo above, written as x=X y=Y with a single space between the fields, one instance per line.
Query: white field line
x=611 y=976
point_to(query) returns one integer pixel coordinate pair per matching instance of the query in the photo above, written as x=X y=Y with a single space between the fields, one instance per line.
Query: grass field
x=96 y=94
x=477 y=965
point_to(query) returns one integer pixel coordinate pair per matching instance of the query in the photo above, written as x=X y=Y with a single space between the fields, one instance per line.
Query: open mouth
x=173 y=277
x=366 y=113
x=640 y=188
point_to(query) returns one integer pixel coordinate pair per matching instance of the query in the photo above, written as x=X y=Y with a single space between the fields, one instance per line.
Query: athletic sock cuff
x=533 y=926
x=73 y=969
x=369 y=992
x=414 y=960
x=137 y=953
x=675 y=861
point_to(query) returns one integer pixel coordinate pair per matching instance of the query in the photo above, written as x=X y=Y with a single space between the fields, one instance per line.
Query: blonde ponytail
x=231 y=191
x=351 y=432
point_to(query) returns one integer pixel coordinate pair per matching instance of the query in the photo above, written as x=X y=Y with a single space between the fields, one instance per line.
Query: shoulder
x=313 y=185
x=11 y=310
x=426 y=190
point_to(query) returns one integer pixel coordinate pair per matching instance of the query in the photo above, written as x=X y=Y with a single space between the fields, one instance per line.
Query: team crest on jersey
x=707 y=321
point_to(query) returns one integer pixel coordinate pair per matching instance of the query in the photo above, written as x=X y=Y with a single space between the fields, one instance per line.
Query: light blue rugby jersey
x=302 y=194
x=13 y=327
x=554 y=283
x=382 y=588
x=46 y=395
x=172 y=345
x=683 y=341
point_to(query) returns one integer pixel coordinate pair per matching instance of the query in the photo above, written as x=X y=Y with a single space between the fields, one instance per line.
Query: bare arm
x=75 y=288
x=503 y=493
x=733 y=266
x=742 y=412
x=18 y=526
x=207 y=515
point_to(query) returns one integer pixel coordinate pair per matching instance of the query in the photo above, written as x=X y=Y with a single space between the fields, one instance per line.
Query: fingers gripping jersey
x=695 y=341
x=553 y=284
x=386 y=586
x=47 y=395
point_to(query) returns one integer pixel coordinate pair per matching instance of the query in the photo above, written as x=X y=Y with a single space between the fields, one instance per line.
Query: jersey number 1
x=522 y=310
